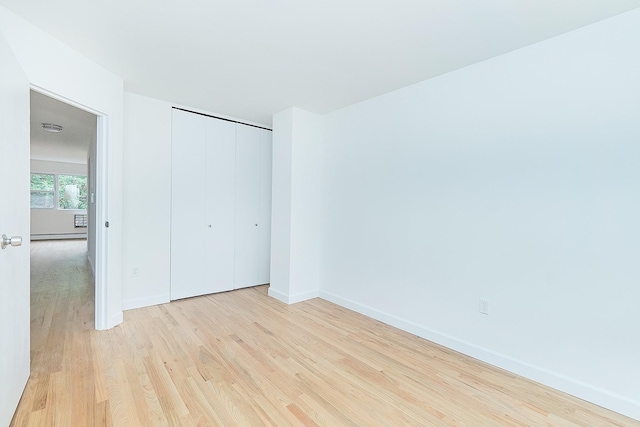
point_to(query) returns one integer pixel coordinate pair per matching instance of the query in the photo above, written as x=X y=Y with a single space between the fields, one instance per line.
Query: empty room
x=337 y=213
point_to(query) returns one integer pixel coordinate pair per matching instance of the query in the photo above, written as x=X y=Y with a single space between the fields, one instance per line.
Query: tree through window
x=72 y=192
x=42 y=191
x=50 y=191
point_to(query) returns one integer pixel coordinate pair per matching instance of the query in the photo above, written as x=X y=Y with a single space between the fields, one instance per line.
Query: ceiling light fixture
x=49 y=127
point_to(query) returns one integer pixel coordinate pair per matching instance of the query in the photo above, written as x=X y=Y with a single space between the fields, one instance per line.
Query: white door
x=248 y=225
x=220 y=205
x=202 y=205
x=14 y=220
x=188 y=204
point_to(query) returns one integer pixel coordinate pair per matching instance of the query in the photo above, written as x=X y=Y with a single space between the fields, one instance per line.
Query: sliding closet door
x=220 y=205
x=247 y=251
x=188 y=206
x=253 y=199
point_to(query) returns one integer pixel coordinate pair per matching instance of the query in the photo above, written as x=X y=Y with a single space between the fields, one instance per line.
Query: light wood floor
x=242 y=358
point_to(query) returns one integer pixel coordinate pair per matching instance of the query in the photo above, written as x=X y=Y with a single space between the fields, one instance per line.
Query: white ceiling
x=72 y=144
x=252 y=58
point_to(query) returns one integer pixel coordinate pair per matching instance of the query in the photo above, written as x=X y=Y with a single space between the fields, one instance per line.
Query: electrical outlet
x=135 y=272
x=484 y=306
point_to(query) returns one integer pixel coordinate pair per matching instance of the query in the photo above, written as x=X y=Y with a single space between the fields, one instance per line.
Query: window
x=49 y=191
x=42 y=191
x=72 y=192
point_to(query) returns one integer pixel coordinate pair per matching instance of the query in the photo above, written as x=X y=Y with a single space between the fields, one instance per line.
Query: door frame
x=100 y=268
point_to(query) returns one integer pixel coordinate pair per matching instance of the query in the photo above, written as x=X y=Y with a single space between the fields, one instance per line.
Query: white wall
x=56 y=222
x=147 y=201
x=44 y=166
x=306 y=192
x=281 y=205
x=60 y=71
x=297 y=168
x=516 y=180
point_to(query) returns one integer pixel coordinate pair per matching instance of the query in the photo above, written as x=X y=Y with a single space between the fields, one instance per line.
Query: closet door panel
x=247 y=249
x=220 y=205
x=187 y=204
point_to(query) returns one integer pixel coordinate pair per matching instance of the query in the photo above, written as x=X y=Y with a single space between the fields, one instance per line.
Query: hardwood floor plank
x=302 y=416
x=101 y=361
x=103 y=415
x=243 y=359
x=41 y=393
x=61 y=403
x=199 y=402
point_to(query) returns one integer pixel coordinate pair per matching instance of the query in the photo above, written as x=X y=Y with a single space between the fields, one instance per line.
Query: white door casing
x=98 y=211
x=14 y=220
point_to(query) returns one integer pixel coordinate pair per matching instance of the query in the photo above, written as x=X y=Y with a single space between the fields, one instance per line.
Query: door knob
x=13 y=241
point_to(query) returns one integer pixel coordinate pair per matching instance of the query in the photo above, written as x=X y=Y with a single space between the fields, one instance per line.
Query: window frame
x=56 y=191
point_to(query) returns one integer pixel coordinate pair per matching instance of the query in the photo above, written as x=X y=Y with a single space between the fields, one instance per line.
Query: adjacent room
x=362 y=213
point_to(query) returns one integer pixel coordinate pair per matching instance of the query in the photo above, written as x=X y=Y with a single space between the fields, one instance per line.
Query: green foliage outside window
x=42 y=190
x=72 y=191
x=71 y=194
x=42 y=182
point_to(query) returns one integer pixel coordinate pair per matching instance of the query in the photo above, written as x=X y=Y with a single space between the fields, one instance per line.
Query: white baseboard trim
x=604 y=398
x=292 y=299
x=58 y=236
x=115 y=320
x=278 y=295
x=145 y=302
x=303 y=296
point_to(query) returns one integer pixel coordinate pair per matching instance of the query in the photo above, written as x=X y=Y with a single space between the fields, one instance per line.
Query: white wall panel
x=146 y=249
x=264 y=222
x=282 y=145
x=516 y=180
x=297 y=205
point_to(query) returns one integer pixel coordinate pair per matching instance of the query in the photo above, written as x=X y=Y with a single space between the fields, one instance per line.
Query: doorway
x=68 y=191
